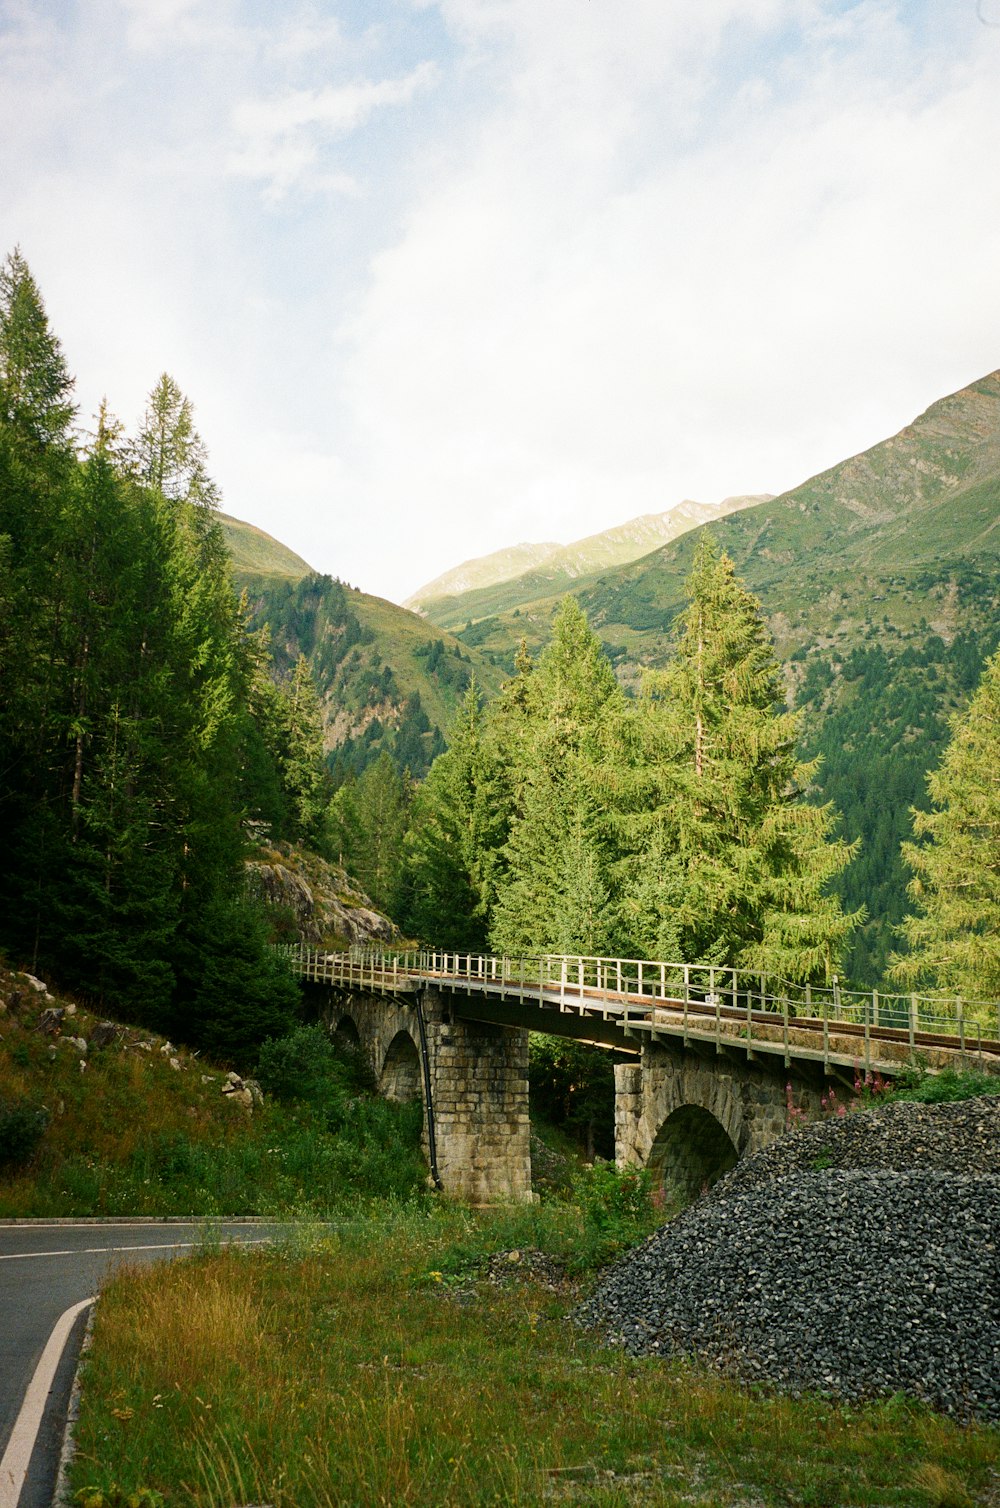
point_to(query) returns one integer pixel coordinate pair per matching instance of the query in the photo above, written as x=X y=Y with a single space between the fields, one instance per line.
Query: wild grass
x=128 y=1134
x=354 y=1369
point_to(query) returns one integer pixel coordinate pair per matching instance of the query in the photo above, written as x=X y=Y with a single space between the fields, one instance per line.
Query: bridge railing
x=637 y=985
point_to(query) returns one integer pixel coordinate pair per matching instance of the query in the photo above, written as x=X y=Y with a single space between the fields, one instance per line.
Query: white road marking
x=14 y=1465
x=91 y=1251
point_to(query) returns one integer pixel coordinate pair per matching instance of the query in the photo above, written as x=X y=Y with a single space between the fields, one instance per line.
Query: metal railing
x=638 y=989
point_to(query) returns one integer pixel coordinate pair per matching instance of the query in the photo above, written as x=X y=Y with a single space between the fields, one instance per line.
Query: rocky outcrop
x=324 y=908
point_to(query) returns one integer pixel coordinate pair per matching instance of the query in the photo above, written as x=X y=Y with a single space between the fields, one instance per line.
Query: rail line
x=700 y=1003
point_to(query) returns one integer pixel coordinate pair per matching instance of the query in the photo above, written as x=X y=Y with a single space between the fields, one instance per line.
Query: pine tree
x=168 y=452
x=367 y=824
x=953 y=933
x=444 y=899
x=720 y=843
x=35 y=384
x=553 y=894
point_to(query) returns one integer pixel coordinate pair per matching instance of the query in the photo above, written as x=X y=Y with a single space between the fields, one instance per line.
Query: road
x=45 y=1270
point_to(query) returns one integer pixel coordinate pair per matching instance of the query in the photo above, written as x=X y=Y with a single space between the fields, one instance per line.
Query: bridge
x=709 y=1061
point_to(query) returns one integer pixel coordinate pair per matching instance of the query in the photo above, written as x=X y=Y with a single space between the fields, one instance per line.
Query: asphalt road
x=44 y=1270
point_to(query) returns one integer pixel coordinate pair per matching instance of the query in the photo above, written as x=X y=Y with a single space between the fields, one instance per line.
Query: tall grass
x=130 y=1135
x=352 y=1371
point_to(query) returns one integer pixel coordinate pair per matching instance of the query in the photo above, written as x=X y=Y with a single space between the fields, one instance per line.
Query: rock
x=175 y=1063
x=104 y=1033
x=326 y=907
x=80 y=1043
x=256 y=1093
x=50 y=1021
x=872 y=1274
x=241 y=1097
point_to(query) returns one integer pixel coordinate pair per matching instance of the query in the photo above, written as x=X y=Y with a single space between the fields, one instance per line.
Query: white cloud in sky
x=281 y=135
x=483 y=270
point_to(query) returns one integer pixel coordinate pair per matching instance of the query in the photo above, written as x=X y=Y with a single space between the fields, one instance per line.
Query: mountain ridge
x=478 y=587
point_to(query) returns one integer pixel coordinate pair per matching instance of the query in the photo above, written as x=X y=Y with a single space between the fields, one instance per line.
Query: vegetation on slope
x=138 y=1126
x=255 y=554
x=386 y=682
x=880 y=580
x=427 y=1360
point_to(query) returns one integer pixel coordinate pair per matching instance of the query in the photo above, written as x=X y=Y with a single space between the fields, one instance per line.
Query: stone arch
x=400 y=1078
x=346 y=1034
x=691 y=1150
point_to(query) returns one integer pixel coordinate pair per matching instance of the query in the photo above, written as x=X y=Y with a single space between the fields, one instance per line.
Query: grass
x=373 y=1363
x=131 y=1135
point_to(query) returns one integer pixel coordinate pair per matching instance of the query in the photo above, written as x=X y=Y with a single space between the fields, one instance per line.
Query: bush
x=22 y=1127
x=949 y=1085
x=617 y=1207
x=300 y=1065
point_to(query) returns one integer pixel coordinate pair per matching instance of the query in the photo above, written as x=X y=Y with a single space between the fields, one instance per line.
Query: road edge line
x=21 y=1444
x=68 y=1449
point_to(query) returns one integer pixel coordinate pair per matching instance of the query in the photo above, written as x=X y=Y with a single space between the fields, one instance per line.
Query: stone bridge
x=704 y=1064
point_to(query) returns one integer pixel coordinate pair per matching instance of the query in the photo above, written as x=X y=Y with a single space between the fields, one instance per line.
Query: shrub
x=617 y=1206
x=302 y=1065
x=22 y=1127
x=949 y=1085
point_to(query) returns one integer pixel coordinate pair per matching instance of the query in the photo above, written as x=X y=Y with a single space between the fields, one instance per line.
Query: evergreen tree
x=168 y=452
x=35 y=384
x=722 y=856
x=553 y=893
x=366 y=827
x=953 y=933
x=443 y=898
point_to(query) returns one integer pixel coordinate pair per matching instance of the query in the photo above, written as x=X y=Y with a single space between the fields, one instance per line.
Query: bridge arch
x=400 y=1075
x=691 y=1150
x=346 y=1034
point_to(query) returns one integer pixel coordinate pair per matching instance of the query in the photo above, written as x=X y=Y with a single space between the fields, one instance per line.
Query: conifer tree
x=168 y=452
x=444 y=900
x=367 y=824
x=553 y=893
x=35 y=384
x=724 y=855
x=953 y=933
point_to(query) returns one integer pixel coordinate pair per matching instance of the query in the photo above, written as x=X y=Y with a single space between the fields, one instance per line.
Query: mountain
x=483 y=571
x=880 y=578
x=256 y=554
x=525 y=573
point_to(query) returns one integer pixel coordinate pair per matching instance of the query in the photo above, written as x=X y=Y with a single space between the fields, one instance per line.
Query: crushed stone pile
x=858 y=1257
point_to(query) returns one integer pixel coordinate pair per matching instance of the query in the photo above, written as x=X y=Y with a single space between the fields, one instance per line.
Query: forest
x=154 y=725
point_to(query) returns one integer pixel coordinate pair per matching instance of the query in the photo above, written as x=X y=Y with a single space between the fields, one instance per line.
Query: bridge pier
x=478 y=1076
x=689 y=1117
x=479 y=1093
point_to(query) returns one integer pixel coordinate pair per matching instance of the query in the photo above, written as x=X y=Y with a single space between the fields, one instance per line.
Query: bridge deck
x=776 y=1025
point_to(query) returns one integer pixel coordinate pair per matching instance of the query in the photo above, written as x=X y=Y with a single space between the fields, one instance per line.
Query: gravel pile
x=856 y=1257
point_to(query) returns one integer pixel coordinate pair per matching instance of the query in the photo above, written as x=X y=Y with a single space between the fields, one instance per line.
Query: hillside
x=256 y=554
x=881 y=582
x=509 y=578
x=386 y=678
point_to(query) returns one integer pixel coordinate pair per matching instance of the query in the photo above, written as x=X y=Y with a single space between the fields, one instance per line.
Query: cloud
x=282 y=136
x=495 y=269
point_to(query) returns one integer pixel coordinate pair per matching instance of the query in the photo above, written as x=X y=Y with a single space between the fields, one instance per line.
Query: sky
x=440 y=276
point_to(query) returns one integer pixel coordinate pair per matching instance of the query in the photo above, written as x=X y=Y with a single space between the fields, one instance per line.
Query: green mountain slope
x=386 y=678
x=509 y=578
x=881 y=581
x=256 y=554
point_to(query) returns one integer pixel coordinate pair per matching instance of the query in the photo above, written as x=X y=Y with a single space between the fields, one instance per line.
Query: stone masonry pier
x=478 y=1080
